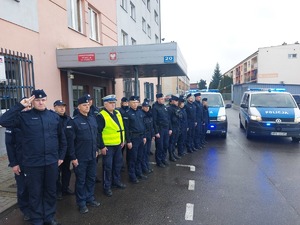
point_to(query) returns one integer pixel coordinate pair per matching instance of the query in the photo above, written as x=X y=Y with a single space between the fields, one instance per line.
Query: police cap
x=159 y=95
x=39 y=93
x=197 y=94
x=109 y=98
x=204 y=100
x=134 y=98
x=124 y=99
x=82 y=100
x=59 y=103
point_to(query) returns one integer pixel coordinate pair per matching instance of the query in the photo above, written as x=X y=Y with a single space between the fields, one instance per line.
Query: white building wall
x=280 y=64
x=134 y=29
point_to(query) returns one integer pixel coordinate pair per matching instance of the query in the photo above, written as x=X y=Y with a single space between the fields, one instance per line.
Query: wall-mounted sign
x=168 y=59
x=113 y=56
x=86 y=57
x=2 y=69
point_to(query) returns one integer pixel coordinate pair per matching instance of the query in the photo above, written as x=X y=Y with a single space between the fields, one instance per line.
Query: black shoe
x=172 y=159
x=68 y=192
x=189 y=151
x=53 y=222
x=148 y=171
x=134 y=181
x=165 y=163
x=83 y=210
x=59 y=196
x=142 y=177
x=177 y=157
x=151 y=153
x=26 y=218
x=93 y=203
x=161 y=165
x=119 y=185
x=108 y=192
x=98 y=180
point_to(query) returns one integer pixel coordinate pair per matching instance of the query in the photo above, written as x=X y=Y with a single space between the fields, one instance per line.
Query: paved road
x=232 y=182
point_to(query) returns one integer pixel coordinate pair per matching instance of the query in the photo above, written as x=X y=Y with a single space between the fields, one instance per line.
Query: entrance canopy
x=151 y=60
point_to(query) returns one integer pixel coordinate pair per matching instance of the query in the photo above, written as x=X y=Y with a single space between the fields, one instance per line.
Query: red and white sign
x=86 y=57
x=113 y=56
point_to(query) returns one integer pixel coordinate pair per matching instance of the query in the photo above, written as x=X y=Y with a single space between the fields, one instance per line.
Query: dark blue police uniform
x=43 y=143
x=82 y=143
x=181 y=144
x=135 y=133
x=191 y=115
x=162 y=125
x=175 y=116
x=206 y=122
x=13 y=142
x=199 y=120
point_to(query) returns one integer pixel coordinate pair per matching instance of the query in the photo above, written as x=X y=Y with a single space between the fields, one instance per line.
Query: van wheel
x=241 y=125
x=248 y=134
x=296 y=140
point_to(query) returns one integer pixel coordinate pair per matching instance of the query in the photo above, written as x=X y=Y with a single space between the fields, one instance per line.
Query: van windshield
x=272 y=100
x=213 y=100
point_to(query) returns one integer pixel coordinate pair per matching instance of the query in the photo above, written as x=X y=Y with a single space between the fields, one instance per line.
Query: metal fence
x=19 y=80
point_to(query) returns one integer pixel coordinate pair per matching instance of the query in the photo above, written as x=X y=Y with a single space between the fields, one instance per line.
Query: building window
x=94 y=30
x=149 y=91
x=75 y=15
x=124 y=4
x=148 y=5
x=132 y=11
x=292 y=56
x=133 y=41
x=144 y=25
x=149 y=31
x=155 y=16
x=124 y=38
x=99 y=93
x=77 y=93
x=156 y=39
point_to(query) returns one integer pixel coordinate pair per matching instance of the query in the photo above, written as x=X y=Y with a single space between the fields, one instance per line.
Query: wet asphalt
x=236 y=182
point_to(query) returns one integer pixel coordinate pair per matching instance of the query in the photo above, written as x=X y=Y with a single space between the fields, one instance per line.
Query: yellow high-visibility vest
x=112 y=133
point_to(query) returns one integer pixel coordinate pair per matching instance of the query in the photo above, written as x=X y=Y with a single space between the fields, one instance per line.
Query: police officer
x=82 y=143
x=192 y=123
x=136 y=139
x=64 y=172
x=199 y=120
x=175 y=116
x=205 y=120
x=149 y=134
x=162 y=130
x=13 y=142
x=181 y=144
x=111 y=138
x=124 y=106
x=44 y=148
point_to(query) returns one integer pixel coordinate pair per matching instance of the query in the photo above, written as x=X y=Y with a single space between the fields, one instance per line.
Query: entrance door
x=99 y=93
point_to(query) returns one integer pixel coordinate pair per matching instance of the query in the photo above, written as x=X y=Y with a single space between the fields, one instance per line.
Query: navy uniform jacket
x=183 y=120
x=191 y=112
x=148 y=121
x=64 y=119
x=82 y=137
x=43 y=141
x=134 y=124
x=161 y=117
x=199 y=112
x=123 y=110
x=13 y=142
x=206 y=115
x=175 y=116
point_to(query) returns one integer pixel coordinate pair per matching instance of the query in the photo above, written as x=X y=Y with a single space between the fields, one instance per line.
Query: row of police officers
x=42 y=143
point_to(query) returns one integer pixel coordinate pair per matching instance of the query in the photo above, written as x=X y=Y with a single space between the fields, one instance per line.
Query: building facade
x=272 y=65
x=38 y=28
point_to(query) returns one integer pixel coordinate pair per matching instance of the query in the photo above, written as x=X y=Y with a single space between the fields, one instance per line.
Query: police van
x=269 y=112
x=217 y=112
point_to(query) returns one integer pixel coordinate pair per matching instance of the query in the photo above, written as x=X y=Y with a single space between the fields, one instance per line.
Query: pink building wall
x=54 y=33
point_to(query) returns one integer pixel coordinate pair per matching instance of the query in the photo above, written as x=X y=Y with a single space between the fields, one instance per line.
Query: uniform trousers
x=112 y=164
x=135 y=156
x=22 y=193
x=190 y=136
x=146 y=152
x=41 y=183
x=173 y=141
x=181 y=144
x=198 y=135
x=64 y=176
x=161 y=145
x=85 y=181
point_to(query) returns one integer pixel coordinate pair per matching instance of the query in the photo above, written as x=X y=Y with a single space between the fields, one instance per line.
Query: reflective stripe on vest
x=111 y=133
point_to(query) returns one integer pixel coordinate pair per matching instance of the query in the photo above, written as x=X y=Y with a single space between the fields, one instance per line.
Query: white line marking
x=191 y=185
x=189 y=211
x=192 y=168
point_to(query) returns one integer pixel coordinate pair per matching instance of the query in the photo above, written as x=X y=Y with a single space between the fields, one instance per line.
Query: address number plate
x=279 y=133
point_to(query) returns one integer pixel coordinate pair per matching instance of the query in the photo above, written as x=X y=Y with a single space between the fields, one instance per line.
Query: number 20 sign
x=168 y=59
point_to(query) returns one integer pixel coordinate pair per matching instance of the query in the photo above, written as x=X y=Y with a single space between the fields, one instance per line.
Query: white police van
x=269 y=112
x=217 y=113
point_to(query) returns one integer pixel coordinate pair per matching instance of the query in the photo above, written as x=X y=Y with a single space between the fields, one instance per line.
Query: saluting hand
x=27 y=101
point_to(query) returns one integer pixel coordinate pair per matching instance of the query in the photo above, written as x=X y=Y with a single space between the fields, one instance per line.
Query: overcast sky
x=227 y=31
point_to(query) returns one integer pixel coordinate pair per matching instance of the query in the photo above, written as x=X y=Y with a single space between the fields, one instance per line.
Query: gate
x=19 y=78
